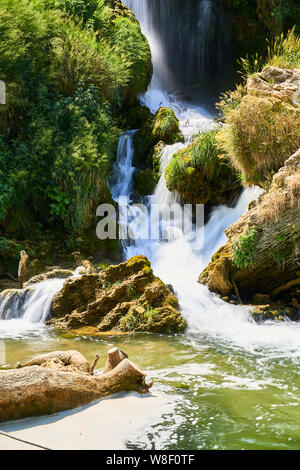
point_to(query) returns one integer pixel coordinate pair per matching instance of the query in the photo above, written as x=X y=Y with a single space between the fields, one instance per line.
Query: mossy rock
x=201 y=175
x=125 y=297
x=145 y=182
x=163 y=127
x=137 y=116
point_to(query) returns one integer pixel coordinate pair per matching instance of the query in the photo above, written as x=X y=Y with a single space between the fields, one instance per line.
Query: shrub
x=244 y=249
x=68 y=65
x=258 y=136
x=284 y=51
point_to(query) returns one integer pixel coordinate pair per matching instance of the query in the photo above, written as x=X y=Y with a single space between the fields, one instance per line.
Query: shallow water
x=219 y=396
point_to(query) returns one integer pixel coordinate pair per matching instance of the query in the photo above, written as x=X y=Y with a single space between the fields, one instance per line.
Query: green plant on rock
x=200 y=173
x=244 y=249
x=131 y=291
x=130 y=322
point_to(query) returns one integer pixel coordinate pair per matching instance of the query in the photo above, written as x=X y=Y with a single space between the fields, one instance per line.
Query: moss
x=137 y=116
x=200 y=173
x=145 y=181
x=163 y=127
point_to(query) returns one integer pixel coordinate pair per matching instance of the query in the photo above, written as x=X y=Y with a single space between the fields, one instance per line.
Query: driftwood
x=47 y=385
x=22 y=271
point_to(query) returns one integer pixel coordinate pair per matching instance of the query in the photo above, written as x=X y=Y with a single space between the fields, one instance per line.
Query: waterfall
x=179 y=261
x=32 y=303
x=190 y=45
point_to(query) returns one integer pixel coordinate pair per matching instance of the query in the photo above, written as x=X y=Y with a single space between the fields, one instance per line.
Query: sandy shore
x=107 y=425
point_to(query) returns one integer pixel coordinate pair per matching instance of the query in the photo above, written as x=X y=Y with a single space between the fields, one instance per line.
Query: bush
x=244 y=249
x=69 y=66
x=259 y=135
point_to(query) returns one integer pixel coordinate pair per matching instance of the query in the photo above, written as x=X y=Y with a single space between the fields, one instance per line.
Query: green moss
x=244 y=249
x=164 y=128
x=200 y=174
x=145 y=182
x=137 y=116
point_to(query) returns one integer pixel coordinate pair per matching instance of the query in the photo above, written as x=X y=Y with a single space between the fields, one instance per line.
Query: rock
x=145 y=181
x=125 y=297
x=276 y=82
x=158 y=130
x=262 y=313
x=137 y=116
x=62 y=381
x=201 y=175
x=262 y=253
x=55 y=273
x=261 y=299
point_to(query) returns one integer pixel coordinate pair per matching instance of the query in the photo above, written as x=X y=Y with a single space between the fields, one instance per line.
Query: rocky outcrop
x=158 y=130
x=262 y=121
x=276 y=82
x=201 y=175
x=125 y=297
x=262 y=253
x=64 y=380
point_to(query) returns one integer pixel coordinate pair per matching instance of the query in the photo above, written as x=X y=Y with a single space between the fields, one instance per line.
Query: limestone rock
x=125 y=297
x=276 y=82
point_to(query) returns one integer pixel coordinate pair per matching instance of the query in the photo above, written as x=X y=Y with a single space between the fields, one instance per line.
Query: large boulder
x=125 y=297
x=262 y=253
x=201 y=175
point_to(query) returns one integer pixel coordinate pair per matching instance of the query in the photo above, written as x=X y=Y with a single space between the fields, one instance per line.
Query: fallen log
x=42 y=386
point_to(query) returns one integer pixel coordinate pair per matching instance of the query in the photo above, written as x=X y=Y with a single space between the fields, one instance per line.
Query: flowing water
x=229 y=382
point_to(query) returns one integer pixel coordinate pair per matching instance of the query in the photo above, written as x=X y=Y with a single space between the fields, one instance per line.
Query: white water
x=24 y=311
x=179 y=262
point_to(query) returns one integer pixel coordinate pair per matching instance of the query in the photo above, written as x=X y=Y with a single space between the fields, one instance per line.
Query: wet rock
x=124 y=297
x=55 y=273
x=157 y=131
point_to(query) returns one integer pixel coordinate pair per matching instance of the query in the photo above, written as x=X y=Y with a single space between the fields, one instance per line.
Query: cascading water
x=179 y=261
x=190 y=45
x=229 y=383
x=26 y=310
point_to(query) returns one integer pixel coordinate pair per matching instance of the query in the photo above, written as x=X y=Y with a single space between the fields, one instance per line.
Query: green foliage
x=260 y=132
x=200 y=173
x=244 y=249
x=131 y=291
x=130 y=322
x=68 y=66
x=284 y=51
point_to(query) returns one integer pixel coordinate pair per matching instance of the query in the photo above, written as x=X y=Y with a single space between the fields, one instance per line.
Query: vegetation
x=254 y=21
x=244 y=248
x=163 y=128
x=261 y=130
x=200 y=173
x=69 y=67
